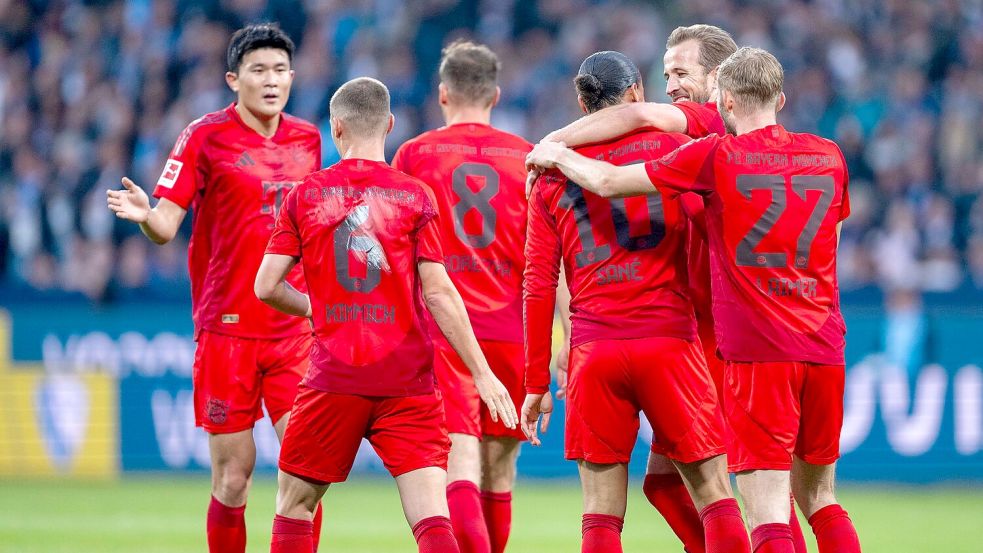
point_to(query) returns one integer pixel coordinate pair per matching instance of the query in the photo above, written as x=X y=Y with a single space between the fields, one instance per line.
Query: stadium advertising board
x=921 y=425
x=55 y=424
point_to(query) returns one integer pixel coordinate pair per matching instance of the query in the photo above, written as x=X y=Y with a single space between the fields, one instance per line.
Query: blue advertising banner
x=913 y=405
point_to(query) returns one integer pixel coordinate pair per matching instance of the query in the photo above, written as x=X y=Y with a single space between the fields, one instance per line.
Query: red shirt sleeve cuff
x=537 y=389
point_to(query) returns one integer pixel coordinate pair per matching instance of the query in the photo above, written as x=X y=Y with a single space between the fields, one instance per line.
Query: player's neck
x=266 y=127
x=372 y=150
x=754 y=122
x=456 y=115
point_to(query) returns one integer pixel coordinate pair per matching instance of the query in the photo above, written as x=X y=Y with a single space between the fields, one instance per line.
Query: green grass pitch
x=166 y=514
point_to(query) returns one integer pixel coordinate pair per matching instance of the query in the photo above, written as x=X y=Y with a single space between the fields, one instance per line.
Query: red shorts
x=326 y=429
x=777 y=409
x=717 y=365
x=233 y=377
x=610 y=381
x=464 y=412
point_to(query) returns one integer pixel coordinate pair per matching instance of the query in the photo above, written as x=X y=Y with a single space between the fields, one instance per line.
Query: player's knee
x=231 y=485
x=498 y=476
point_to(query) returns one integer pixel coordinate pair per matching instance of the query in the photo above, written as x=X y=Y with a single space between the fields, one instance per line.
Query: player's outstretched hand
x=534 y=406
x=544 y=155
x=562 y=359
x=496 y=397
x=131 y=203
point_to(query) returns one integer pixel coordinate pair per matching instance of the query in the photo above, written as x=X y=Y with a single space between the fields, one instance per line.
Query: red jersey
x=234 y=180
x=360 y=227
x=478 y=175
x=774 y=200
x=701 y=119
x=624 y=258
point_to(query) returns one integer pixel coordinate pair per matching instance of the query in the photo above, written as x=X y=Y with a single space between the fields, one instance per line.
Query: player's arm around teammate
x=692 y=56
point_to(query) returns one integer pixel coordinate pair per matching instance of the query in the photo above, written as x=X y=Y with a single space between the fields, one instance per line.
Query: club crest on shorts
x=217 y=411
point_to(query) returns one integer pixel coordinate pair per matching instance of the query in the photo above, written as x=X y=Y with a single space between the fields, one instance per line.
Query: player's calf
x=709 y=486
x=421 y=493
x=296 y=501
x=665 y=490
x=498 y=458
x=813 y=488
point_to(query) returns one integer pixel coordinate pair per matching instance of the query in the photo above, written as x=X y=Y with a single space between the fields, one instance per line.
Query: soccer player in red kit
x=775 y=201
x=368 y=238
x=477 y=174
x=233 y=168
x=633 y=332
x=692 y=56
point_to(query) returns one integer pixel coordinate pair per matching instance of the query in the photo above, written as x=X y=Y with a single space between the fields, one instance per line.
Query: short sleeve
x=428 y=246
x=688 y=168
x=701 y=119
x=181 y=178
x=285 y=239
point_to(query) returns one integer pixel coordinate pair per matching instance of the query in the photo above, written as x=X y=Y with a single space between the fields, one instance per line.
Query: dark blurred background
x=93 y=90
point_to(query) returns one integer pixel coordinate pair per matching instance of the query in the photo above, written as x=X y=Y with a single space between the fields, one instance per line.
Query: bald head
x=362 y=107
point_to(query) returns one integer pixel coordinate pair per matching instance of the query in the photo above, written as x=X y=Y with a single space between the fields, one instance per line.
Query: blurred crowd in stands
x=94 y=90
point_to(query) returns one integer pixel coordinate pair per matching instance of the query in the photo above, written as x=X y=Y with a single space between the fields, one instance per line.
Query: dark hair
x=254 y=37
x=715 y=43
x=603 y=79
x=363 y=105
x=470 y=72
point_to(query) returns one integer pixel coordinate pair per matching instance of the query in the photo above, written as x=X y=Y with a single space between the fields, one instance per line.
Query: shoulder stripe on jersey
x=214 y=118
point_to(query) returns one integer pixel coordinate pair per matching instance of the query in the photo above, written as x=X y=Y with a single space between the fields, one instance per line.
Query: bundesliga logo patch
x=171 y=171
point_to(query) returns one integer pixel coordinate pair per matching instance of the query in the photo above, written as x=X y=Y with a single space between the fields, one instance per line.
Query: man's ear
x=392 y=123
x=232 y=79
x=498 y=96
x=727 y=101
x=442 y=94
x=580 y=101
x=781 y=102
x=337 y=127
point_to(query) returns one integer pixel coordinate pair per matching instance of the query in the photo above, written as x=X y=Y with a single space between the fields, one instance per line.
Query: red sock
x=775 y=537
x=318 y=514
x=668 y=494
x=834 y=530
x=497 y=507
x=435 y=535
x=798 y=540
x=291 y=535
x=724 y=527
x=601 y=533
x=226 y=528
x=464 y=502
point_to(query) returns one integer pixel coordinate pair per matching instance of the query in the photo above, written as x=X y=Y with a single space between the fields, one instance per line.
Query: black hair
x=603 y=79
x=254 y=37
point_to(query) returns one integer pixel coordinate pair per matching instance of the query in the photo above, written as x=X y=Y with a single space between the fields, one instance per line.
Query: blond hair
x=362 y=104
x=715 y=43
x=753 y=76
x=470 y=72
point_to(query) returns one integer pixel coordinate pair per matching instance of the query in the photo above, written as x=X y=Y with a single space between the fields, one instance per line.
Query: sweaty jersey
x=624 y=259
x=773 y=202
x=360 y=227
x=477 y=174
x=234 y=180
